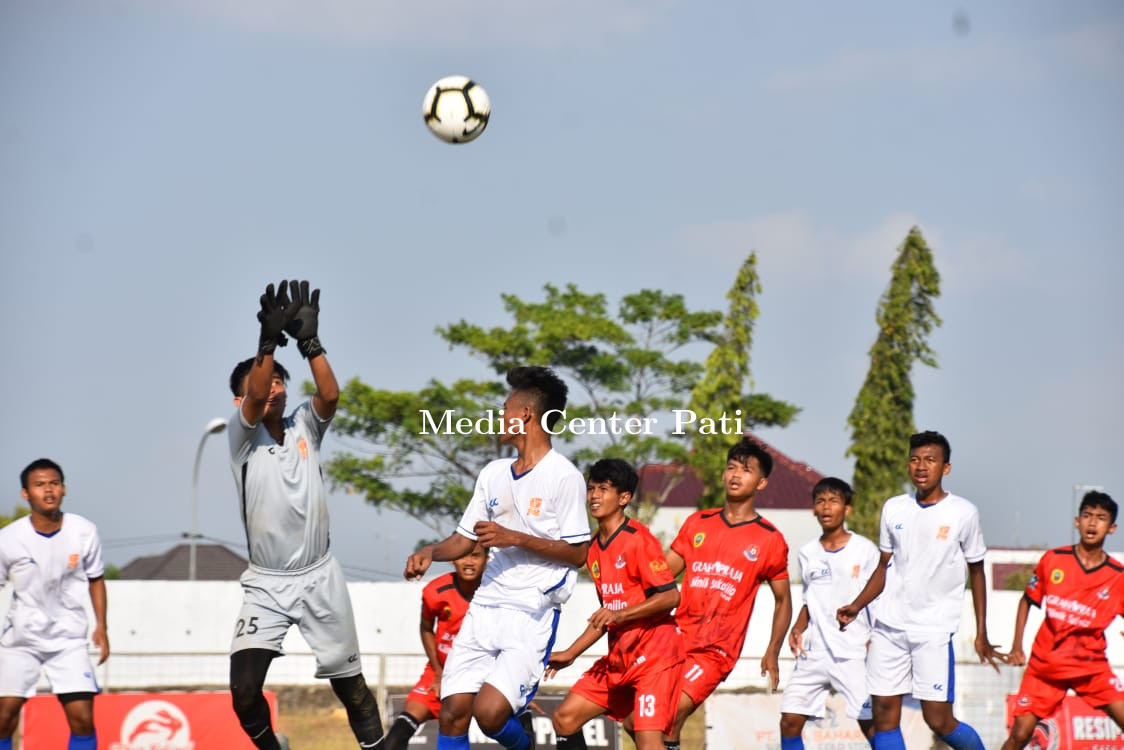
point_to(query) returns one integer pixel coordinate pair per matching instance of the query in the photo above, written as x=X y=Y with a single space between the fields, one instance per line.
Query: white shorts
x=919 y=663
x=506 y=648
x=315 y=599
x=816 y=672
x=68 y=671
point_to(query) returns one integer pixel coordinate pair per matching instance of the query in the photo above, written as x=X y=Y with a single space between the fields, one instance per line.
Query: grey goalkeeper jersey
x=284 y=503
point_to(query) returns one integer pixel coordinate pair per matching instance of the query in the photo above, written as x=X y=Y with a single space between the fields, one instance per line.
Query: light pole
x=215 y=426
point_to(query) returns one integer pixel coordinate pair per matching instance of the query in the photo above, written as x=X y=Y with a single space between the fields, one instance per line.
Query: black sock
x=575 y=741
x=400 y=732
x=669 y=745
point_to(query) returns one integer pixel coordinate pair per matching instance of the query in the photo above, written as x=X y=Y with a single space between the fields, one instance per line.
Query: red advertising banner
x=143 y=721
x=1075 y=726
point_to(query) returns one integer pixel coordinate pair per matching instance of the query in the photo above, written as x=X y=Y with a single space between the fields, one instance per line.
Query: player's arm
x=429 y=641
x=327 y=396
x=304 y=326
x=451 y=548
x=675 y=563
x=796 y=635
x=274 y=314
x=1017 y=657
x=492 y=534
x=656 y=604
x=977 y=579
x=564 y=658
x=847 y=613
x=100 y=635
x=782 y=618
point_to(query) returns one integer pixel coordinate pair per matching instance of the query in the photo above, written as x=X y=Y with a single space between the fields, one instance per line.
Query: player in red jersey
x=637 y=592
x=727 y=553
x=1082 y=591
x=444 y=603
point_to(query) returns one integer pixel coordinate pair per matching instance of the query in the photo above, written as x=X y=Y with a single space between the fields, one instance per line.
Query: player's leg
x=569 y=719
x=422 y=705
x=1021 y=730
x=19 y=672
x=654 y=701
x=362 y=708
x=888 y=677
x=10 y=706
x=453 y=720
x=1116 y=712
x=848 y=678
x=1037 y=697
x=79 y=710
x=248 y=668
x=934 y=681
x=467 y=666
x=805 y=696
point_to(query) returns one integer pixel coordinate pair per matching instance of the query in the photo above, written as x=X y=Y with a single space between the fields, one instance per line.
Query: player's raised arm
x=274 y=315
x=451 y=548
x=304 y=326
x=492 y=534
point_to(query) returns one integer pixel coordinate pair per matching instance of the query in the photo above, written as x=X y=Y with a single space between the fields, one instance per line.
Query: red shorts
x=424 y=694
x=1041 y=697
x=647 y=691
x=703 y=670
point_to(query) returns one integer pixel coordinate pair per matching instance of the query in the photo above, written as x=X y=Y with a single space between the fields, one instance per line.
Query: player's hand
x=558 y=660
x=988 y=653
x=101 y=640
x=603 y=618
x=771 y=667
x=1016 y=657
x=435 y=686
x=274 y=315
x=492 y=534
x=846 y=615
x=418 y=563
x=796 y=643
x=306 y=319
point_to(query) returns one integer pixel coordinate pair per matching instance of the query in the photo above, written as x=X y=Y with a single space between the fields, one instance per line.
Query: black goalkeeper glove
x=276 y=313
x=304 y=325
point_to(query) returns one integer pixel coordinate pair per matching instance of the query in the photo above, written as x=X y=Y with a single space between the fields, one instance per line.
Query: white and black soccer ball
x=456 y=109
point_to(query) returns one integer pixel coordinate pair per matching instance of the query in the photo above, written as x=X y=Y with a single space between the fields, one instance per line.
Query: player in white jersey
x=53 y=561
x=931 y=536
x=530 y=512
x=834 y=569
x=293 y=579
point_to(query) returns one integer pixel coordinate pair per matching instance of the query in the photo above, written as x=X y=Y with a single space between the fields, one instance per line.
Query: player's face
x=927 y=466
x=742 y=480
x=471 y=566
x=44 y=492
x=1093 y=525
x=604 y=499
x=830 y=509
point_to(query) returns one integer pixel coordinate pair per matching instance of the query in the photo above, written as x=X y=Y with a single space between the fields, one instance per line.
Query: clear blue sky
x=160 y=163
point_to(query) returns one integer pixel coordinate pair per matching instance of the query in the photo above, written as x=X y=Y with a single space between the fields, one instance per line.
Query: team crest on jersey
x=447 y=613
x=72 y=561
x=855 y=571
x=302 y=446
x=699 y=539
x=534 y=508
x=658 y=566
x=1024 y=701
x=620 y=563
x=1103 y=593
x=595 y=569
x=1056 y=575
x=942 y=533
x=750 y=553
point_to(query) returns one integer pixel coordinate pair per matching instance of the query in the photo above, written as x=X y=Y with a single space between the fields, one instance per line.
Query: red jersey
x=1078 y=604
x=627 y=569
x=443 y=602
x=725 y=565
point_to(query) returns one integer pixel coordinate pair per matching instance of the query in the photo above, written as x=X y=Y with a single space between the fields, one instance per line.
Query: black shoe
x=528 y=723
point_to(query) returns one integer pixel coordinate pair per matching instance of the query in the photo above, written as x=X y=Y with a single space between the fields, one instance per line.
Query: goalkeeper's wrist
x=310 y=348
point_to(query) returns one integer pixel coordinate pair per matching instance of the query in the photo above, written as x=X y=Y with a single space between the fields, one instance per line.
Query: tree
x=726 y=388
x=411 y=456
x=17 y=512
x=882 y=418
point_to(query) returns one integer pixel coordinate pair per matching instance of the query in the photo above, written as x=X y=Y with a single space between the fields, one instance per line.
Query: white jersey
x=547 y=501
x=284 y=502
x=833 y=579
x=931 y=545
x=50 y=576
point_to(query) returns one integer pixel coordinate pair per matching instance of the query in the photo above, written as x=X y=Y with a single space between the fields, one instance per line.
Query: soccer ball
x=456 y=109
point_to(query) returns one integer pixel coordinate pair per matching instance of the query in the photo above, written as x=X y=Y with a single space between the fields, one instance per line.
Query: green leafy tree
x=726 y=388
x=18 y=512
x=882 y=418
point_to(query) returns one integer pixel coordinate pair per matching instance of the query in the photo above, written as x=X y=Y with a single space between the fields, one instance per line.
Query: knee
x=791 y=725
x=454 y=716
x=490 y=720
x=244 y=697
x=9 y=719
x=355 y=696
x=939 y=718
x=564 y=721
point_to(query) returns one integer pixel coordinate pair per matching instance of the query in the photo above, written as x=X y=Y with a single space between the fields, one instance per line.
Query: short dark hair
x=931 y=437
x=617 y=472
x=546 y=390
x=242 y=369
x=1095 y=499
x=836 y=485
x=741 y=452
x=38 y=465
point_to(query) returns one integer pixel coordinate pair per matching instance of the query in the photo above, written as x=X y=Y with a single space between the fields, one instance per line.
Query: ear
x=947 y=469
x=237 y=401
x=23 y=492
x=762 y=484
x=1112 y=529
x=624 y=499
x=847 y=509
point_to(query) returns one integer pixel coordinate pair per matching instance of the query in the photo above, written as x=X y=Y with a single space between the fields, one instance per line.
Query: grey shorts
x=315 y=599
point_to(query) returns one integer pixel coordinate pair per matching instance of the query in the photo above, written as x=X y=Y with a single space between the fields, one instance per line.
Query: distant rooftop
x=213 y=562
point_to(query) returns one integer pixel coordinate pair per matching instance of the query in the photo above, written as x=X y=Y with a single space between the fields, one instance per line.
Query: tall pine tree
x=725 y=388
x=882 y=419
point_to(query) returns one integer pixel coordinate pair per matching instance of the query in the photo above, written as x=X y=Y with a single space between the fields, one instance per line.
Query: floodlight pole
x=213 y=427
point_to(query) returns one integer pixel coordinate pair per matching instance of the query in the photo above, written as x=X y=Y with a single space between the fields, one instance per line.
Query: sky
x=160 y=163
